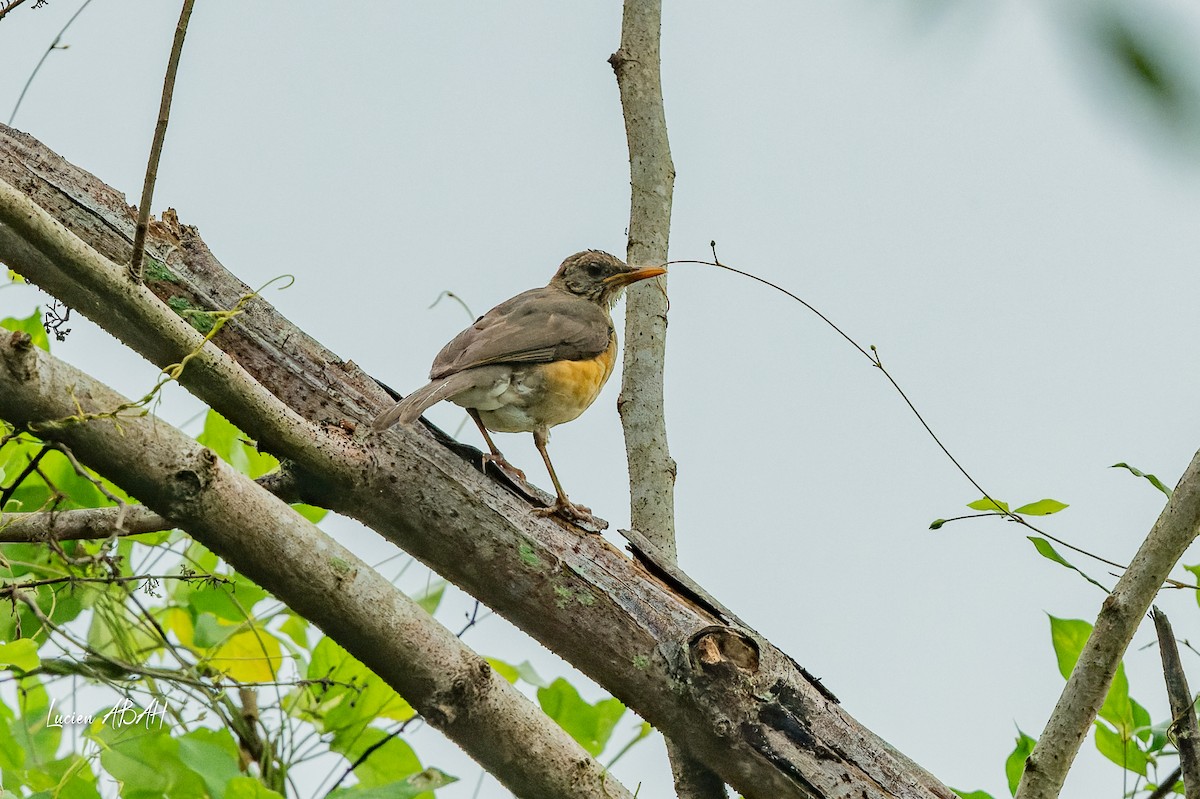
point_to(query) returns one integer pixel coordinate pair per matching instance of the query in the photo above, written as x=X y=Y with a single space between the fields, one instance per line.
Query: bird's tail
x=408 y=409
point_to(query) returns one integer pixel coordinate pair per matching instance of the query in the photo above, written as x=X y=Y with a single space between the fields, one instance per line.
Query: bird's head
x=599 y=277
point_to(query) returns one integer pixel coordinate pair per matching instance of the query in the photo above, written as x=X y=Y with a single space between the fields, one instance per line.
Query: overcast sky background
x=961 y=184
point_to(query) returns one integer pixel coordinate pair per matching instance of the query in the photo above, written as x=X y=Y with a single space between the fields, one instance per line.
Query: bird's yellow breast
x=572 y=386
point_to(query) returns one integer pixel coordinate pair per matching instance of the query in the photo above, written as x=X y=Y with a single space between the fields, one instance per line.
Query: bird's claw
x=503 y=465
x=571 y=512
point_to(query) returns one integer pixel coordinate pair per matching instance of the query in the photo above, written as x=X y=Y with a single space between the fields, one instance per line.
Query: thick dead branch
x=1120 y=615
x=685 y=665
x=1183 y=708
x=453 y=688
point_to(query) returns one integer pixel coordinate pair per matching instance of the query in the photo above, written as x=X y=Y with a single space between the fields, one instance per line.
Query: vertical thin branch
x=652 y=179
x=1183 y=711
x=160 y=133
x=1120 y=615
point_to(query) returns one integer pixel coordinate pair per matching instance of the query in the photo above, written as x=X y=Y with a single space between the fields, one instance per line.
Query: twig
x=160 y=133
x=1167 y=787
x=1183 y=712
x=871 y=353
x=53 y=46
x=9 y=6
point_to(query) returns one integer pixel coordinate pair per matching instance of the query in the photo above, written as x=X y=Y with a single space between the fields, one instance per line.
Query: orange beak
x=625 y=278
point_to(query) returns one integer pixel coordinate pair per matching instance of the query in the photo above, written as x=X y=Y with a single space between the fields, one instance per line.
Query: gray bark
x=643 y=410
x=652 y=184
x=678 y=659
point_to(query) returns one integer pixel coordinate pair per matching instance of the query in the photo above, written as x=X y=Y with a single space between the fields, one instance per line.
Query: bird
x=534 y=361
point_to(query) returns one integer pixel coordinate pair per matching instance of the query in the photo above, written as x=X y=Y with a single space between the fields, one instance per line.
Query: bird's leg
x=494 y=456
x=563 y=506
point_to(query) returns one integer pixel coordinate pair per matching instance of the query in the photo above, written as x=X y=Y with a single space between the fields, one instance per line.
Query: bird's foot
x=580 y=515
x=500 y=463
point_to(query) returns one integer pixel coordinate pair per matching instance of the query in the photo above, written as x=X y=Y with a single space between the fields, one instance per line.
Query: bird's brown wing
x=538 y=326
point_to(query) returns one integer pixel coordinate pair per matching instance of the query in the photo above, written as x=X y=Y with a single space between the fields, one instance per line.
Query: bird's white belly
x=504 y=404
x=524 y=399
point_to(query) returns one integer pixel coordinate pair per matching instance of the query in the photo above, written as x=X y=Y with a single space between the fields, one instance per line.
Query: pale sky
x=960 y=185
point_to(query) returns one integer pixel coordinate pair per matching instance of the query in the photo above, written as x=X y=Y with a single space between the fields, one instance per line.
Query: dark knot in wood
x=724 y=647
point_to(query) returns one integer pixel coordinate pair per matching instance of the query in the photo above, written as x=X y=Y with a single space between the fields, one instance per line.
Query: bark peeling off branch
x=1122 y=612
x=452 y=687
x=760 y=724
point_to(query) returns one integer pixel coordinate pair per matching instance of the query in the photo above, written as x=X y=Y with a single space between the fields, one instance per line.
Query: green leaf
x=506 y=670
x=70 y=777
x=352 y=699
x=431 y=597
x=231 y=444
x=986 y=504
x=1195 y=570
x=936 y=524
x=295 y=627
x=310 y=512
x=231 y=601
x=529 y=674
x=391 y=760
x=590 y=725
x=1121 y=750
x=32 y=325
x=21 y=654
x=1154 y=481
x=249 y=788
x=1050 y=553
x=213 y=754
x=408 y=788
x=641 y=732
x=1043 y=507
x=146 y=759
x=38 y=737
x=1068 y=637
x=1144 y=56
x=1143 y=727
x=117 y=632
x=1014 y=765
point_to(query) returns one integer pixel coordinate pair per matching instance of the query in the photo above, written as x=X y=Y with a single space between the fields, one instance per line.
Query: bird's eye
x=594 y=269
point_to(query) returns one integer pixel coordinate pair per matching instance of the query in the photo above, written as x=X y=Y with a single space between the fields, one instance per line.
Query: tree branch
x=82 y=523
x=652 y=181
x=156 y=144
x=1183 y=709
x=679 y=660
x=1120 y=615
x=643 y=415
x=91 y=523
x=452 y=687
